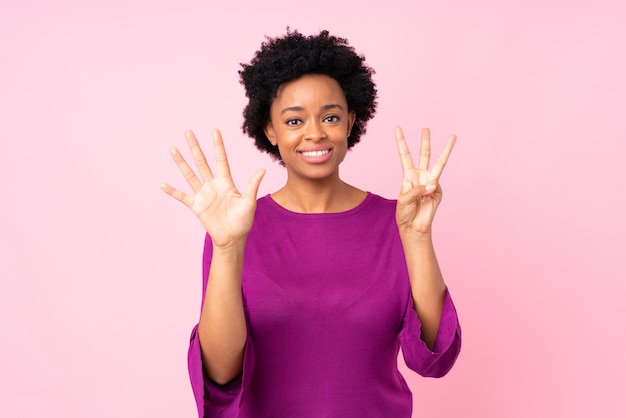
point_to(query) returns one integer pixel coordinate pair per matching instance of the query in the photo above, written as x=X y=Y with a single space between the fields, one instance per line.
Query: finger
x=186 y=171
x=418 y=192
x=253 y=184
x=198 y=156
x=443 y=158
x=223 y=170
x=177 y=194
x=425 y=149
x=403 y=150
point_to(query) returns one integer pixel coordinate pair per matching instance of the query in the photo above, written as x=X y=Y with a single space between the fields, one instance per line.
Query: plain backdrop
x=100 y=272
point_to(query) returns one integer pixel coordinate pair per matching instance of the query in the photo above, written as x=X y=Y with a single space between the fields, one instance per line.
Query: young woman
x=310 y=292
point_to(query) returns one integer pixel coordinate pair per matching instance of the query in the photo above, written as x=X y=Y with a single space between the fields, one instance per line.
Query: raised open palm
x=225 y=213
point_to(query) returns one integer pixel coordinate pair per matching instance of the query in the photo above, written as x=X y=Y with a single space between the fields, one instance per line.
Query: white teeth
x=315 y=153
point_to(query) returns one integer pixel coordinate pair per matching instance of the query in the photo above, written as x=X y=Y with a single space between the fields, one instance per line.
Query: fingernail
x=430 y=187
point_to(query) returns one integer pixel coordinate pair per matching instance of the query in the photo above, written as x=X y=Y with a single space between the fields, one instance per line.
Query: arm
x=227 y=216
x=427 y=286
x=417 y=204
x=222 y=326
x=435 y=361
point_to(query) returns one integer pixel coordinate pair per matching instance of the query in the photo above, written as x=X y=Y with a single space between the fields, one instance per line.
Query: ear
x=269 y=133
x=351 y=119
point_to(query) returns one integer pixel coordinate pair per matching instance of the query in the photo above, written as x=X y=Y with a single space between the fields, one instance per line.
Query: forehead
x=310 y=89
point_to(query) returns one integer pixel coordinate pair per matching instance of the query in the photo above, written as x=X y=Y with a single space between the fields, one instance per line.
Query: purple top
x=328 y=304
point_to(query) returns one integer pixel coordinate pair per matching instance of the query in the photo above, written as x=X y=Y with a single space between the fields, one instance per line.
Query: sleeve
x=417 y=356
x=212 y=400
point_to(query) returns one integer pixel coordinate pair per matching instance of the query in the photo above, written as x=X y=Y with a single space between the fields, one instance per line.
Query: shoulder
x=264 y=202
x=377 y=202
x=380 y=199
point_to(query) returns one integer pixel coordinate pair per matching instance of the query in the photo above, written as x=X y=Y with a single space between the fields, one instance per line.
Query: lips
x=316 y=156
x=315 y=153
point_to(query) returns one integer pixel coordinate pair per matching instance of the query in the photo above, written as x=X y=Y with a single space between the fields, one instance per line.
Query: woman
x=310 y=292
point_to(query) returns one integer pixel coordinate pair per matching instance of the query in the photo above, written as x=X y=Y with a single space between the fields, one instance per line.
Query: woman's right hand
x=225 y=213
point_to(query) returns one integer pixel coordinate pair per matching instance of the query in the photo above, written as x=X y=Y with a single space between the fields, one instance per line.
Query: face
x=310 y=124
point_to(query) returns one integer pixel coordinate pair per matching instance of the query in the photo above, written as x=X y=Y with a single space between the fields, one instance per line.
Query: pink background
x=100 y=271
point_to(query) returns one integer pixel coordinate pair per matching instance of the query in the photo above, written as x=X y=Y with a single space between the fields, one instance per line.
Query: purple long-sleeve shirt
x=328 y=305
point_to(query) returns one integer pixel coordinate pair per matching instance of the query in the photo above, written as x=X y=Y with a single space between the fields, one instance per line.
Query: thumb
x=417 y=192
x=253 y=184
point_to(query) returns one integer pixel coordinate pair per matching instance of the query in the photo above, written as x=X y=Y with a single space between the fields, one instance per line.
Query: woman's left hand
x=421 y=193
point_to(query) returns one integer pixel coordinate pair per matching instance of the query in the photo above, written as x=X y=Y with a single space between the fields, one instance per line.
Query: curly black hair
x=293 y=55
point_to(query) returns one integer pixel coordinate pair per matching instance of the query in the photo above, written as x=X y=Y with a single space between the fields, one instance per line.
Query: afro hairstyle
x=293 y=55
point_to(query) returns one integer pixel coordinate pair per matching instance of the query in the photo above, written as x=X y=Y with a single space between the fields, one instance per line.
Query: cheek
x=342 y=150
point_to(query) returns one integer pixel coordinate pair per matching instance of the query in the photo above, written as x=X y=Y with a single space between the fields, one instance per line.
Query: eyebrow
x=300 y=108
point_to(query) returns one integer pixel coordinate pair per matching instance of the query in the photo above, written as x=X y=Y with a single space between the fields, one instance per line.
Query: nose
x=315 y=131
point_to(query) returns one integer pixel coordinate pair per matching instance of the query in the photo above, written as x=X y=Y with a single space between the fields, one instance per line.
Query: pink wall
x=100 y=271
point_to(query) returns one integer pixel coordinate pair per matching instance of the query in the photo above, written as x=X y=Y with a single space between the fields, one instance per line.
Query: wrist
x=411 y=235
x=228 y=247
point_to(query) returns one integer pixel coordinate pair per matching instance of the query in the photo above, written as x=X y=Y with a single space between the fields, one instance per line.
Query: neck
x=318 y=197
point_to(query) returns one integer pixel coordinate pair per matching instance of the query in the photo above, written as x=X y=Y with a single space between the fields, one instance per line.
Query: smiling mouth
x=318 y=153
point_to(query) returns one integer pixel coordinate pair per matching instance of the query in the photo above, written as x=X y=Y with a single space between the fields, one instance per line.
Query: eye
x=292 y=122
x=331 y=119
